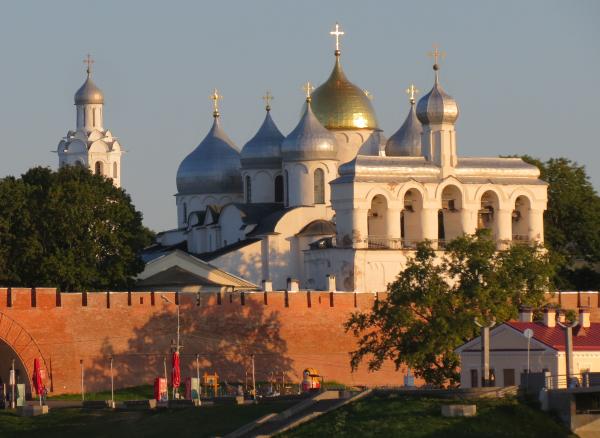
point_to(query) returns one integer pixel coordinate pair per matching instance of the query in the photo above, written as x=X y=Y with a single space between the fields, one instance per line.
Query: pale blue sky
x=523 y=72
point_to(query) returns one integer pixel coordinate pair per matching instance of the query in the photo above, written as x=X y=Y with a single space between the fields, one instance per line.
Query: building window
x=248 y=190
x=279 y=188
x=185 y=218
x=94 y=117
x=115 y=170
x=287 y=188
x=99 y=168
x=319 y=182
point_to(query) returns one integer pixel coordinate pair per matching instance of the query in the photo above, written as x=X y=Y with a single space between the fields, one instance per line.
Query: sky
x=524 y=75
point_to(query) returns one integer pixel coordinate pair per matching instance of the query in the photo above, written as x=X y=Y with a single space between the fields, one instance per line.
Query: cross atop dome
x=436 y=54
x=215 y=97
x=268 y=97
x=89 y=61
x=337 y=33
x=308 y=89
x=412 y=91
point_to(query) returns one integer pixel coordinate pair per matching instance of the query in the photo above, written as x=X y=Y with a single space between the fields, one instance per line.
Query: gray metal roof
x=89 y=93
x=264 y=149
x=406 y=141
x=213 y=167
x=309 y=140
x=437 y=106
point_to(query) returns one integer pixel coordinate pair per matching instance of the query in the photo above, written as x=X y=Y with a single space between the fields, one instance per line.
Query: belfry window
x=287 y=188
x=248 y=189
x=94 y=117
x=99 y=168
x=279 y=188
x=185 y=218
x=115 y=170
x=319 y=183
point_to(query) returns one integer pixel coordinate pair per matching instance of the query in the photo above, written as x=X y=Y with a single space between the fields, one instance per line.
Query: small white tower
x=438 y=112
x=90 y=144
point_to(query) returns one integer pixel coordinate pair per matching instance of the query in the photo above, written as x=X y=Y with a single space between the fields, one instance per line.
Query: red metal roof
x=584 y=339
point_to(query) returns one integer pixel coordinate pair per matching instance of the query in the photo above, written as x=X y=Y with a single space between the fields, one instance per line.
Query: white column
x=503 y=231
x=536 y=225
x=468 y=219
x=359 y=228
x=392 y=224
x=429 y=225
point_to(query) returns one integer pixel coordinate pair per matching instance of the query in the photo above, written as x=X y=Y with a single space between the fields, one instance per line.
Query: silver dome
x=309 y=140
x=213 y=167
x=437 y=106
x=264 y=149
x=406 y=141
x=89 y=93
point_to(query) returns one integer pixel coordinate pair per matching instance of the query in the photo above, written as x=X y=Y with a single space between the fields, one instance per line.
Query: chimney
x=293 y=285
x=525 y=314
x=562 y=317
x=584 y=317
x=549 y=317
x=267 y=286
x=330 y=283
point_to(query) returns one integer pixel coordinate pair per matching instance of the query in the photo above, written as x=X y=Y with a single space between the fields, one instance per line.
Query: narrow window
x=94 y=117
x=115 y=170
x=287 y=189
x=279 y=188
x=319 y=183
x=185 y=218
x=99 y=168
x=248 y=190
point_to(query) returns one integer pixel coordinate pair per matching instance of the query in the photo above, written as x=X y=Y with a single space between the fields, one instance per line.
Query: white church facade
x=333 y=205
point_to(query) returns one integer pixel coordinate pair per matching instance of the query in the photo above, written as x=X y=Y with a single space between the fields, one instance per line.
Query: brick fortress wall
x=286 y=332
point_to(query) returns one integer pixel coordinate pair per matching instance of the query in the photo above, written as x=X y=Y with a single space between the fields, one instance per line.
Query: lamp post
x=13 y=382
x=177 y=346
x=82 y=388
x=112 y=384
x=485 y=350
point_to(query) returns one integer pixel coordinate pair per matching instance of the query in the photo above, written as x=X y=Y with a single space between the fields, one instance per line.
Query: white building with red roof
x=547 y=350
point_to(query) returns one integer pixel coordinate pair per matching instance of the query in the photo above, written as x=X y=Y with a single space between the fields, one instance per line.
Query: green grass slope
x=403 y=416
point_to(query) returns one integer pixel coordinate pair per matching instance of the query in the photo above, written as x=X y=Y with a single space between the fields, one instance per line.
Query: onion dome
x=406 y=141
x=89 y=93
x=437 y=106
x=264 y=149
x=339 y=104
x=213 y=167
x=309 y=140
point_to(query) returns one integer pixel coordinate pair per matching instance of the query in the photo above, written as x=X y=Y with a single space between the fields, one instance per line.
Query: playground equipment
x=211 y=381
x=311 y=380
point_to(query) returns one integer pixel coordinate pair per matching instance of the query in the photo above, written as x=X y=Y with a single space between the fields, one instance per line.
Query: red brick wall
x=286 y=332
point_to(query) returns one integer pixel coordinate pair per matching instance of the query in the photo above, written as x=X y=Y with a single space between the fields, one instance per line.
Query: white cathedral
x=331 y=206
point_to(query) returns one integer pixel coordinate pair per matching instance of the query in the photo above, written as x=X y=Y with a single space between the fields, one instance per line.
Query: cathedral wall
x=245 y=262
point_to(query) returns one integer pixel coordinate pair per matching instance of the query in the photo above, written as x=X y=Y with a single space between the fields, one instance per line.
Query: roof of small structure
x=584 y=338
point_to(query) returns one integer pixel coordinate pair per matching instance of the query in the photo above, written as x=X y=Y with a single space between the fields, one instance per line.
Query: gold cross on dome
x=436 y=54
x=89 y=62
x=268 y=97
x=215 y=97
x=337 y=33
x=308 y=88
x=412 y=91
x=368 y=94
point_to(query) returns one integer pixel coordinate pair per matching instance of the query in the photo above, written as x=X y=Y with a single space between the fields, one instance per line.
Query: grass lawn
x=173 y=423
x=410 y=417
x=132 y=393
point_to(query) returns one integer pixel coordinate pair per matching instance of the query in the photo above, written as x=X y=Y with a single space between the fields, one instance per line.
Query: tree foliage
x=571 y=222
x=429 y=310
x=69 y=229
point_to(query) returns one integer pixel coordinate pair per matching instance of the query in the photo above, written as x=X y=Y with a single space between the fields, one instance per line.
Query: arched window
x=115 y=170
x=248 y=189
x=94 y=117
x=287 y=188
x=185 y=216
x=279 y=188
x=319 y=183
x=99 y=168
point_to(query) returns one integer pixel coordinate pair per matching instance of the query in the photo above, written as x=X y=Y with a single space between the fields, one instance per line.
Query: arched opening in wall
x=7 y=355
x=99 y=168
x=94 y=117
x=376 y=223
x=410 y=218
x=441 y=237
x=279 y=188
x=319 y=186
x=449 y=219
x=248 y=189
x=520 y=219
x=287 y=188
x=185 y=213
x=115 y=170
x=487 y=216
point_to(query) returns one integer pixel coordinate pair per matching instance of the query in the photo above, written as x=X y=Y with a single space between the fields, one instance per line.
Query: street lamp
x=176 y=304
x=569 y=347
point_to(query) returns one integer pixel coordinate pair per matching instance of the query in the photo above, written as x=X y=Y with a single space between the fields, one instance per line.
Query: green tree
x=571 y=222
x=430 y=308
x=70 y=229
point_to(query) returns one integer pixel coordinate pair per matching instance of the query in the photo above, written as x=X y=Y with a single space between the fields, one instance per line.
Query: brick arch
x=23 y=344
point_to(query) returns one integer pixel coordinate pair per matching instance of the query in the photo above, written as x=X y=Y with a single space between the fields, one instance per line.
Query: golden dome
x=339 y=104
